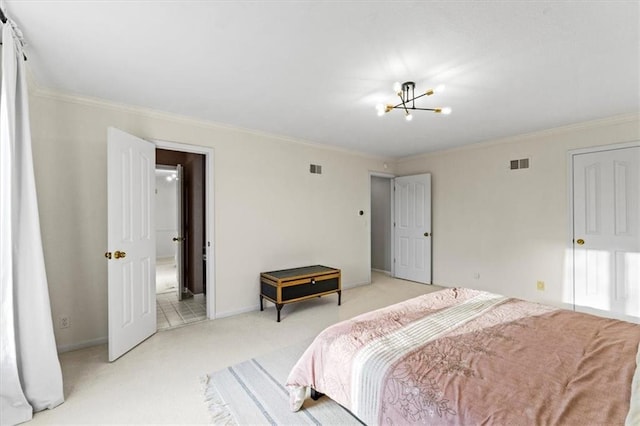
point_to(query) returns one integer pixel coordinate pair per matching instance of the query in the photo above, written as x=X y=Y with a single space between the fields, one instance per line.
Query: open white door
x=606 y=226
x=180 y=239
x=131 y=241
x=412 y=240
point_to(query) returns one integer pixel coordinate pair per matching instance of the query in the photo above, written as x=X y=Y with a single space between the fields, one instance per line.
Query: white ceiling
x=314 y=70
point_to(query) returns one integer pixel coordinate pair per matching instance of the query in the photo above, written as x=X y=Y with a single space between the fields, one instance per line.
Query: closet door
x=606 y=241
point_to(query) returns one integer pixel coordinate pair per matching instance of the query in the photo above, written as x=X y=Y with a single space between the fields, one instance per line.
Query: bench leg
x=279 y=308
x=339 y=297
x=261 y=307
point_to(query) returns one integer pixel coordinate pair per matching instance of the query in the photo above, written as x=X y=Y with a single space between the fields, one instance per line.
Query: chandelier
x=406 y=93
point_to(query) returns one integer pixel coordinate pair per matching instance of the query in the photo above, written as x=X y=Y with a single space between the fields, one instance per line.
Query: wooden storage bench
x=297 y=284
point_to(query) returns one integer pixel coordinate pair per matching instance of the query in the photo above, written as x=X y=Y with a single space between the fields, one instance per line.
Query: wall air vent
x=315 y=168
x=523 y=163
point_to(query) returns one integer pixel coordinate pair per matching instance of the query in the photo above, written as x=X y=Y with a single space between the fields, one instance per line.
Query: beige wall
x=270 y=212
x=510 y=227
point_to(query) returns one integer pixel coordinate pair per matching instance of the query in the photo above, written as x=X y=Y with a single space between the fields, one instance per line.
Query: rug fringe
x=220 y=414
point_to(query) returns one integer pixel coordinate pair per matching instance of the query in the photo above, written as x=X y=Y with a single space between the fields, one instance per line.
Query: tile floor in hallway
x=173 y=313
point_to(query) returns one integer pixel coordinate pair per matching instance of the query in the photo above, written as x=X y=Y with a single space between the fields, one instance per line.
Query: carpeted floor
x=253 y=392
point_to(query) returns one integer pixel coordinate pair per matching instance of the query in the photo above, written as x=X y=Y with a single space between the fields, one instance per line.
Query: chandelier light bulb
x=397 y=87
x=381 y=109
x=446 y=110
x=439 y=88
x=408 y=117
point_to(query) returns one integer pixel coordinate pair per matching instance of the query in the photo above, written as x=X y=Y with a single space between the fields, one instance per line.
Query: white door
x=412 y=229
x=131 y=241
x=606 y=241
x=180 y=239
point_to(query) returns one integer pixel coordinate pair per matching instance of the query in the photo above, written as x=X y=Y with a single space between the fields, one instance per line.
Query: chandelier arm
x=404 y=105
x=399 y=106
x=427 y=109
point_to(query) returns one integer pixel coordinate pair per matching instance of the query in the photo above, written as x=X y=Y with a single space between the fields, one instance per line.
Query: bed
x=461 y=356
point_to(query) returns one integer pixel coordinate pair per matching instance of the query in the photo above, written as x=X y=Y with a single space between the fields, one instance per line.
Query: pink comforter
x=461 y=356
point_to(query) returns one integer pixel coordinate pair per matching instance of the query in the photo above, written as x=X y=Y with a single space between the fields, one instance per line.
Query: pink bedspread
x=464 y=357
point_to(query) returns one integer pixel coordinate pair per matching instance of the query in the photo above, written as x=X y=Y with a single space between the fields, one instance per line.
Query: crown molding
x=36 y=90
x=585 y=125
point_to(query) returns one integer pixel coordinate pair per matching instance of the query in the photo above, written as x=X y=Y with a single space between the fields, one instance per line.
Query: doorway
x=381 y=224
x=180 y=238
x=400 y=229
x=168 y=271
x=131 y=248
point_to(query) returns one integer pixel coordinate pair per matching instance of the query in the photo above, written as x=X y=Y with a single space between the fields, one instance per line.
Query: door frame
x=570 y=284
x=209 y=281
x=391 y=178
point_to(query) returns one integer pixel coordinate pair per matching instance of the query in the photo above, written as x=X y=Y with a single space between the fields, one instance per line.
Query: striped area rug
x=253 y=393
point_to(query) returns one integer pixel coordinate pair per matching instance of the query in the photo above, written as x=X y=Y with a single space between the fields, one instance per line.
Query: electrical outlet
x=64 y=322
x=540 y=285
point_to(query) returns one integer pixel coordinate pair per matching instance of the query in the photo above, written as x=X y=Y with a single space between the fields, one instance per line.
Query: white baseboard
x=239 y=311
x=606 y=314
x=382 y=271
x=224 y=314
x=82 y=345
x=347 y=286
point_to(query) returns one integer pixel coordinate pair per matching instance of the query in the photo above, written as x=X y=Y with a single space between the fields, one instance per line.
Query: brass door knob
x=178 y=239
x=108 y=255
x=119 y=254
x=580 y=241
x=426 y=234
